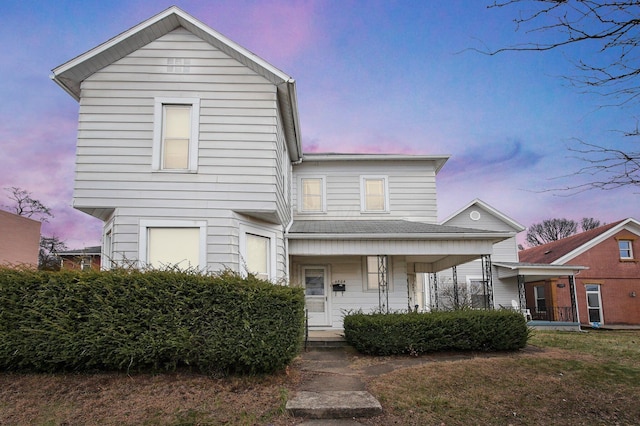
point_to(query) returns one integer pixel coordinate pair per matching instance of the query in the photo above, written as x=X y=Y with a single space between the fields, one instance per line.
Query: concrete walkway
x=334 y=386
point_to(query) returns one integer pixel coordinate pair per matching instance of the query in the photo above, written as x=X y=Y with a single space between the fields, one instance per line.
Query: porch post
x=456 y=300
x=574 y=300
x=433 y=290
x=383 y=284
x=487 y=279
x=522 y=298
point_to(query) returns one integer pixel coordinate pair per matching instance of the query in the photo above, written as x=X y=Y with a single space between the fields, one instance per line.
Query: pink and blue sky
x=372 y=76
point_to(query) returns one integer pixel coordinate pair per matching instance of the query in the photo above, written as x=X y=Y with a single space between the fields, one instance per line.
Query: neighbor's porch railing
x=561 y=313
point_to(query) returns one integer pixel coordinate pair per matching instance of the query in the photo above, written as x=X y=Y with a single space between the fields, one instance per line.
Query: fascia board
x=494 y=236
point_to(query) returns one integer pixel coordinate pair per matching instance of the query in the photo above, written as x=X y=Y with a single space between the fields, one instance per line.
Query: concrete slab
x=333 y=405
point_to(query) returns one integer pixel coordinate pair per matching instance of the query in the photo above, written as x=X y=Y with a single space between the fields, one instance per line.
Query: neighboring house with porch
x=19 y=240
x=81 y=260
x=607 y=289
x=189 y=150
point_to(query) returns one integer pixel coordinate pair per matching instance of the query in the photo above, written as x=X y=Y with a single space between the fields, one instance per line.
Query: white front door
x=316 y=295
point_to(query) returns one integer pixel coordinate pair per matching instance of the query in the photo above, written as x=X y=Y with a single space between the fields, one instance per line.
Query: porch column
x=522 y=299
x=574 y=301
x=487 y=279
x=383 y=283
x=456 y=299
x=433 y=290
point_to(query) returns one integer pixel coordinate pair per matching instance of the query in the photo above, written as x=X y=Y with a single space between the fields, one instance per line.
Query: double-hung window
x=374 y=194
x=626 y=249
x=257 y=251
x=312 y=195
x=176 y=128
x=376 y=271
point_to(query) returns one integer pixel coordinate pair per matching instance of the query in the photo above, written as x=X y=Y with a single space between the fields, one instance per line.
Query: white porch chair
x=525 y=312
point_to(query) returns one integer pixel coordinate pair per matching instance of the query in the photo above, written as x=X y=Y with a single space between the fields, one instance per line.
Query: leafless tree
x=588 y=223
x=611 y=32
x=550 y=230
x=24 y=205
x=48 y=259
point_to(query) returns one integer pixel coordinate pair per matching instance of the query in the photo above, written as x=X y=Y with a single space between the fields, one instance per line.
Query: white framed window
x=541 y=301
x=180 y=243
x=372 y=267
x=258 y=251
x=312 y=194
x=478 y=299
x=626 y=249
x=106 y=260
x=374 y=194
x=175 y=134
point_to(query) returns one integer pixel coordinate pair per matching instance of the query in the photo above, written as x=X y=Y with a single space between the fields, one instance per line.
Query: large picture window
x=175 y=145
x=173 y=243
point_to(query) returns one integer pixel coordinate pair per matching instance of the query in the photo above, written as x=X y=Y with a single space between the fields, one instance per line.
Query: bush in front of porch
x=417 y=333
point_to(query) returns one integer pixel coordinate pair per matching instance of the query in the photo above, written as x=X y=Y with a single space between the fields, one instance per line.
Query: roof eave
x=493 y=236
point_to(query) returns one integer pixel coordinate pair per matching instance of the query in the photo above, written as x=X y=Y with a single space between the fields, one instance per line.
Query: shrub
x=417 y=333
x=154 y=320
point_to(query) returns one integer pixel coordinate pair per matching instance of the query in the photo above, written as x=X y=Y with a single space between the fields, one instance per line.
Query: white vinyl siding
x=410 y=189
x=239 y=155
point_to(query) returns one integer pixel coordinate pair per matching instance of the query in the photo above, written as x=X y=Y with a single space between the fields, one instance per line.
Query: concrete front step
x=333 y=405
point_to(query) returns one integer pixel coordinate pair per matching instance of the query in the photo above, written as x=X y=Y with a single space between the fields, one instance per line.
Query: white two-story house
x=189 y=150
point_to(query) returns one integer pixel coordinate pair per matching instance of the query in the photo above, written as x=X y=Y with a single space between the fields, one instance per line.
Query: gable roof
x=71 y=74
x=481 y=204
x=561 y=251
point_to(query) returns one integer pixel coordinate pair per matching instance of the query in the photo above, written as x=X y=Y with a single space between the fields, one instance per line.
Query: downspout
x=288 y=227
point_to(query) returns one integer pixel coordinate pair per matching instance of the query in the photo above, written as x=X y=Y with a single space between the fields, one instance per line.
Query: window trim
x=143 y=235
x=323 y=194
x=246 y=228
x=363 y=197
x=630 y=250
x=158 y=116
x=365 y=275
x=106 y=257
x=536 y=298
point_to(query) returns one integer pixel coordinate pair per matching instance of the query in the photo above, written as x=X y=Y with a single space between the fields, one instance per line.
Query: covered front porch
x=372 y=266
x=540 y=294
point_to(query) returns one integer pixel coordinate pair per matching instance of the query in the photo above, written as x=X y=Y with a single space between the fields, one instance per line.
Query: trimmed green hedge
x=417 y=333
x=154 y=320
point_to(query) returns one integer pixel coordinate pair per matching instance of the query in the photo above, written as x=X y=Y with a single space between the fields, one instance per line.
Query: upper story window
x=374 y=194
x=312 y=195
x=626 y=249
x=175 y=138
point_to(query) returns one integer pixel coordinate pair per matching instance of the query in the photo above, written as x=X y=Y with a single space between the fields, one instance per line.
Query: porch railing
x=560 y=313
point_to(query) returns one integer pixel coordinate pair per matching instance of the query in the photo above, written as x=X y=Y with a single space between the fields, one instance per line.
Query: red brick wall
x=618 y=279
x=19 y=240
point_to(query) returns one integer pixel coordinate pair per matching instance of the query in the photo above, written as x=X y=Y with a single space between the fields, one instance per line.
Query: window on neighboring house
x=176 y=134
x=374 y=194
x=257 y=251
x=312 y=194
x=374 y=268
x=626 y=249
x=541 y=302
x=173 y=243
x=477 y=296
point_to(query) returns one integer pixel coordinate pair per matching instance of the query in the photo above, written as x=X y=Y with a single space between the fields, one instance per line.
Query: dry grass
x=563 y=378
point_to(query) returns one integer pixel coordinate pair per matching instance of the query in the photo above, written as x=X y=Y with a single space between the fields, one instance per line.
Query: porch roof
x=394 y=229
x=535 y=271
x=427 y=247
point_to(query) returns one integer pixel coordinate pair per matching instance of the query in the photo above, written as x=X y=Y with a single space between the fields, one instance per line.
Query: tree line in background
x=608 y=35
x=550 y=230
x=23 y=204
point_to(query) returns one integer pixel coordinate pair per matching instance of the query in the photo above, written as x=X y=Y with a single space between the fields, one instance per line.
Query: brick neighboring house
x=608 y=292
x=19 y=240
x=83 y=259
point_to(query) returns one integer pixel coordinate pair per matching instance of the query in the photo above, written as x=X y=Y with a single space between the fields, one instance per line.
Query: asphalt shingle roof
x=550 y=252
x=375 y=227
